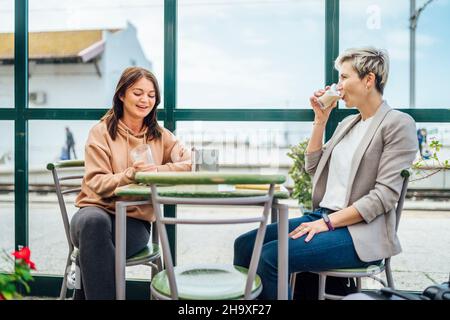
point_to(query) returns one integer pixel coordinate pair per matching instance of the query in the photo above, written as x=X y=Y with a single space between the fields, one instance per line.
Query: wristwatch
x=327 y=220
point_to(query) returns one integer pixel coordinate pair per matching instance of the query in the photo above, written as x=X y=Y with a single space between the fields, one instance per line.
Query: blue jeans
x=326 y=250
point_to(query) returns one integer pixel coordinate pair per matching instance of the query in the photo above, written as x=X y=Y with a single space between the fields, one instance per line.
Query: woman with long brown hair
x=130 y=122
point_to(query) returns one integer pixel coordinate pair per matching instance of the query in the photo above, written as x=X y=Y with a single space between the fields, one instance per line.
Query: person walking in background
x=423 y=143
x=70 y=143
x=420 y=140
x=426 y=153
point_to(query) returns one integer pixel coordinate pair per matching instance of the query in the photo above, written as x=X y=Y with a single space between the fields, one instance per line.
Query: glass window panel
x=426 y=214
x=47 y=237
x=260 y=146
x=245 y=54
x=6 y=54
x=48 y=139
x=432 y=63
x=243 y=147
x=6 y=191
x=384 y=24
x=78 y=49
x=429 y=134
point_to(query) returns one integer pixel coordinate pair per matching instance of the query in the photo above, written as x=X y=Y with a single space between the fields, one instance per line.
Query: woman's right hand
x=321 y=116
x=140 y=166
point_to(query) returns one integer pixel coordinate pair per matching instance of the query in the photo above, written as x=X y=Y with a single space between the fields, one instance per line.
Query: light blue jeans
x=326 y=250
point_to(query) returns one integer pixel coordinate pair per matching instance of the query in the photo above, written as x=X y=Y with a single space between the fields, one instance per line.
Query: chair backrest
x=398 y=210
x=63 y=171
x=60 y=172
x=211 y=178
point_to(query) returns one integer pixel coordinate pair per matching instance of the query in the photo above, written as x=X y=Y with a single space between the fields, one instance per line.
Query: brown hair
x=129 y=77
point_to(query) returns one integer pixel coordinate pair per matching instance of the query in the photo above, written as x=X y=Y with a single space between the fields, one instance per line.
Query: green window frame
x=21 y=115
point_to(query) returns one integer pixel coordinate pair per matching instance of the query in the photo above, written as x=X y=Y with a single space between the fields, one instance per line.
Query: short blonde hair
x=366 y=60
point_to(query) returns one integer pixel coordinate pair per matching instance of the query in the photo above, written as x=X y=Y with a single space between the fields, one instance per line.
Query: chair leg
x=358 y=284
x=292 y=281
x=63 y=292
x=322 y=281
x=159 y=264
x=388 y=271
x=152 y=297
x=154 y=270
x=156 y=266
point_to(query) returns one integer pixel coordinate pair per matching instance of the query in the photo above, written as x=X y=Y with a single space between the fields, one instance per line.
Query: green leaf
x=8 y=295
x=302 y=190
x=27 y=276
x=20 y=275
x=27 y=287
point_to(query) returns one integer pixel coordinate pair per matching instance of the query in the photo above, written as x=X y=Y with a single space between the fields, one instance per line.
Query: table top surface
x=202 y=178
x=200 y=191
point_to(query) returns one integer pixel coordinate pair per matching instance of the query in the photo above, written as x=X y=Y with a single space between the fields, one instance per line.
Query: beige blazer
x=389 y=146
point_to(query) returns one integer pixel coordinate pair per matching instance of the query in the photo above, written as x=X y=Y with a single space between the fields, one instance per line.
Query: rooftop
x=65 y=46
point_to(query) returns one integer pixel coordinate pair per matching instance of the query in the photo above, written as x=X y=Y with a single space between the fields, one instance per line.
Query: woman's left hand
x=310 y=228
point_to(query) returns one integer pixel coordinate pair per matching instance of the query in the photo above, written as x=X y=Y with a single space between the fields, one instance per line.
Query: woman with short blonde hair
x=367 y=60
x=356 y=179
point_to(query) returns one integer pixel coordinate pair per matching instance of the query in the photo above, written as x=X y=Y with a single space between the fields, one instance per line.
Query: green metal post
x=170 y=62
x=331 y=52
x=278 y=115
x=170 y=93
x=7 y=113
x=21 y=124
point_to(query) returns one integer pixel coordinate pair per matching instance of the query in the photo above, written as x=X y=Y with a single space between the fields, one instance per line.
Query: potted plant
x=19 y=276
x=302 y=190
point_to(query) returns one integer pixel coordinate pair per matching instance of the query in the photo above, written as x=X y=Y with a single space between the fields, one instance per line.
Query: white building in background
x=72 y=68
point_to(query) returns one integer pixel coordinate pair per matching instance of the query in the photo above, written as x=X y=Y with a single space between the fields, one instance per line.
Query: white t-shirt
x=339 y=170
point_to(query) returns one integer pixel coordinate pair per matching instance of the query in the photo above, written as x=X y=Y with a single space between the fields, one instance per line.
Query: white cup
x=142 y=153
x=329 y=97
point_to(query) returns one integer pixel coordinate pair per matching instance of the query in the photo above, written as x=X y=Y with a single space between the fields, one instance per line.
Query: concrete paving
x=424 y=234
